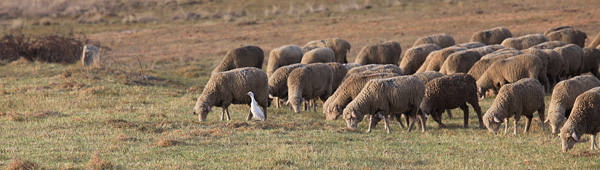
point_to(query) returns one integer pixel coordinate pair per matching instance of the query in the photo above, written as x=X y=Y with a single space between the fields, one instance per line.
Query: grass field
x=67 y=116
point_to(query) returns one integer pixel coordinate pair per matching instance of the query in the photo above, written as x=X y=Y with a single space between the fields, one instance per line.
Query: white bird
x=256 y=111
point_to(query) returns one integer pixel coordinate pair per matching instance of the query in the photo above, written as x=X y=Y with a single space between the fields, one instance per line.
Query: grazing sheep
x=486 y=61
x=246 y=56
x=415 y=56
x=555 y=61
x=442 y=40
x=428 y=59
x=521 y=98
x=318 y=55
x=449 y=92
x=308 y=48
x=509 y=70
x=230 y=87
x=376 y=68
x=460 y=62
x=549 y=30
x=591 y=60
x=387 y=97
x=491 y=36
x=282 y=56
x=502 y=52
x=470 y=45
x=351 y=65
x=524 y=42
x=549 y=45
x=339 y=46
x=427 y=76
x=543 y=76
x=584 y=119
x=572 y=59
x=348 y=90
x=596 y=42
x=339 y=72
x=569 y=36
x=309 y=82
x=564 y=96
x=438 y=58
x=385 y=53
x=278 y=82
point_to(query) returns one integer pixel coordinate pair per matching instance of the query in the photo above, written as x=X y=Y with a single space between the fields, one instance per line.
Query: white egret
x=256 y=111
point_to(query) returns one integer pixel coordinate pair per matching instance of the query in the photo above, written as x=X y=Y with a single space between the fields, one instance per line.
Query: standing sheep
x=564 y=96
x=524 y=42
x=584 y=119
x=339 y=72
x=549 y=45
x=427 y=76
x=282 y=56
x=309 y=82
x=591 y=60
x=246 y=56
x=572 y=60
x=339 y=46
x=385 y=53
x=278 y=88
x=492 y=36
x=486 y=61
x=460 y=62
x=442 y=40
x=543 y=76
x=438 y=58
x=449 y=92
x=509 y=70
x=387 y=97
x=318 y=55
x=569 y=36
x=415 y=56
x=230 y=87
x=521 y=98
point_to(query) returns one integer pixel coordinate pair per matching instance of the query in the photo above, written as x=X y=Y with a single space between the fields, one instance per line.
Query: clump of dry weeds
x=163 y=142
x=98 y=163
x=22 y=164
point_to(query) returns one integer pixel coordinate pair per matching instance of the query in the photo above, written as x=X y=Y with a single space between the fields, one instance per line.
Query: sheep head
x=352 y=118
x=202 y=110
x=333 y=113
x=556 y=121
x=296 y=103
x=492 y=122
x=568 y=139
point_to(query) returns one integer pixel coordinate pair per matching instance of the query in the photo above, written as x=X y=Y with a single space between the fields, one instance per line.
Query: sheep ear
x=547 y=120
x=497 y=120
x=574 y=135
x=287 y=102
x=271 y=96
x=354 y=114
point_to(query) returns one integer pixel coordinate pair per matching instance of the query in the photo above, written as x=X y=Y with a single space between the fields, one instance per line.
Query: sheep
x=351 y=65
x=596 y=42
x=555 y=61
x=524 y=42
x=549 y=45
x=278 y=82
x=415 y=56
x=584 y=119
x=427 y=76
x=482 y=50
x=569 y=35
x=591 y=60
x=460 y=62
x=509 y=70
x=496 y=47
x=470 y=45
x=339 y=46
x=449 y=92
x=308 y=48
x=549 y=30
x=428 y=59
x=284 y=55
x=376 y=68
x=442 y=40
x=246 y=56
x=347 y=91
x=517 y=99
x=572 y=59
x=318 y=55
x=384 y=53
x=564 y=96
x=230 y=87
x=543 y=76
x=486 y=61
x=387 y=97
x=438 y=58
x=309 y=82
x=339 y=72
x=491 y=36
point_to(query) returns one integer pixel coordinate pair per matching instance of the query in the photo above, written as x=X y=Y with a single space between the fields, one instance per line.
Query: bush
x=52 y=48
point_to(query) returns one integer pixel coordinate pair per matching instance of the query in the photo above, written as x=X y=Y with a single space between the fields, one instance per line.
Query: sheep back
x=549 y=45
x=246 y=56
x=284 y=55
x=278 y=80
x=460 y=62
x=549 y=30
x=470 y=45
x=442 y=40
x=591 y=60
x=485 y=62
x=339 y=46
x=339 y=72
x=309 y=82
x=509 y=70
x=438 y=59
x=524 y=42
x=384 y=53
x=569 y=35
x=492 y=36
x=416 y=56
x=427 y=76
x=318 y=55
x=572 y=59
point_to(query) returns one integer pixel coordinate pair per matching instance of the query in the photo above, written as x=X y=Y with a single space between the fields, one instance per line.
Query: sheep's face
x=567 y=140
x=333 y=113
x=481 y=92
x=202 y=111
x=556 y=122
x=492 y=122
x=352 y=118
x=296 y=103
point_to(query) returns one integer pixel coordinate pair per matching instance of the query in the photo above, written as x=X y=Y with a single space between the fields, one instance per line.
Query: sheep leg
x=370 y=123
x=527 y=124
x=475 y=104
x=542 y=116
x=449 y=111
x=227 y=113
x=413 y=118
x=423 y=122
x=593 y=140
x=264 y=112
x=506 y=125
x=437 y=116
x=314 y=104
x=465 y=109
x=277 y=104
x=516 y=122
x=399 y=119
x=223 y=114
x=386 y=123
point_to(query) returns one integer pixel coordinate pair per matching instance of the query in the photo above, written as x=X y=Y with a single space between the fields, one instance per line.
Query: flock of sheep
x=433 y=76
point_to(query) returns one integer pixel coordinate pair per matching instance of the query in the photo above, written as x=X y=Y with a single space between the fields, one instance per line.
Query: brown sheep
x=427 y=76
x=470 y=45
x=309 y=82
x=351 y=65
x=591 y=60
x=496 y=47
x=246 y=56
x=384 y=53
x=572 y=60
x=339 y=46
x=509 y=70
x=230 y=87
x=442 y=40
x=549 y=30
x=543 y=76
x=318 y=55
x=569 y=36
x=376 y=68
x=486 y=61
x=491 y=36
x=435 y=59
x=449 y=92
x=460 y=62
x=339 y=72
x=415 y=56
x=278 y=82
x=549 y=45
x=282 y=56
x=584 y=119
x=563 y=97
x=524 y=42
x=517 y=99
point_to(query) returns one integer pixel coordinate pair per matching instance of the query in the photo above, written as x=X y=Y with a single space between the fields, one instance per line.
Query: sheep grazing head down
x=568 y=139
x=352 y=118
x=202 y=109
x=556 y=122
x=492 y=122
x=333 y=113
x=296 y=102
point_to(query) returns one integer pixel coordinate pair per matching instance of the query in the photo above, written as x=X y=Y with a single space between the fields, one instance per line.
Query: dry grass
x=165 y=142
x=98 y=163
x=53 y=48
x=22 y=164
